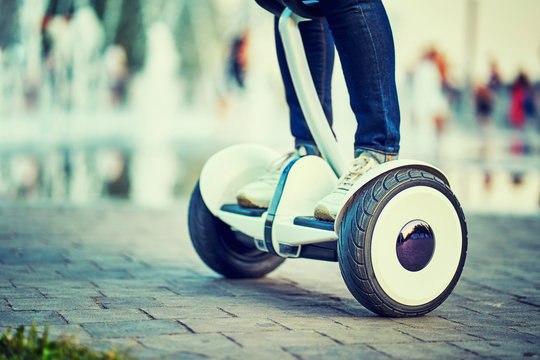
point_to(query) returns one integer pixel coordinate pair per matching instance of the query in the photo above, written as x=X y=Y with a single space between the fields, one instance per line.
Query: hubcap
x=415 y=245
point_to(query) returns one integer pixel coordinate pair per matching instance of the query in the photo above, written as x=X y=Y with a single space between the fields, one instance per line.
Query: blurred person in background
x=361 y=33
x=495 y=82
x=484 y=105
x=522 y=103
x=499 y=94
x=238 y=59
x=430 y=108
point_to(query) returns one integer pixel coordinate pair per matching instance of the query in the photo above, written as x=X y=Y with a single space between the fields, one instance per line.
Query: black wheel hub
x=415 y=245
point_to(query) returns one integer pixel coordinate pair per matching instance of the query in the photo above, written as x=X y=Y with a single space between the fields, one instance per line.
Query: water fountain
x=93 y=118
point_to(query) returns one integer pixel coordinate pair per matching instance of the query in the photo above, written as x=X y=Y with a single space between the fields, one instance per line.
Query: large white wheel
x=402 y=243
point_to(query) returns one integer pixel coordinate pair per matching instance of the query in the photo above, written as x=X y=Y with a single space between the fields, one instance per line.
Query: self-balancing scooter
x=400 y=237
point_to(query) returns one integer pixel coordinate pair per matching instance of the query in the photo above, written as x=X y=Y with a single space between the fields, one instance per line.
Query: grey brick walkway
x=113 y=274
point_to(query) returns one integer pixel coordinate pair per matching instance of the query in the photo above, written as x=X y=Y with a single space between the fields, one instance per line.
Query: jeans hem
x=386 y=155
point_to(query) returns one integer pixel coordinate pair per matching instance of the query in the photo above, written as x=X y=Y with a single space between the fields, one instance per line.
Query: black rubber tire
x=219 y=248
x=356 y=230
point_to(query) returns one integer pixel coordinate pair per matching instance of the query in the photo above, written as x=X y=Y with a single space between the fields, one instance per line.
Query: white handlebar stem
x=306 y=92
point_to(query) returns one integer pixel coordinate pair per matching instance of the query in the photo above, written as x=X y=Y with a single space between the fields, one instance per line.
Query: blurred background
x=124 y=100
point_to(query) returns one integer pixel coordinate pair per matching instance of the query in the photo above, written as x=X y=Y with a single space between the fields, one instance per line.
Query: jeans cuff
x=379 y=156
x=309 y=146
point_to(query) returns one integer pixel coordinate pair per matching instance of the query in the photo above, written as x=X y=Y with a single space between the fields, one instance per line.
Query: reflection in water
x=88 y=175
x=64 y=174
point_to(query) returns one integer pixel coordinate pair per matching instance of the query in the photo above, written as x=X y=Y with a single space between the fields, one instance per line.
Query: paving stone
x=277 y=308
x=512 y=349
x=118 y=261
x=253 y=308
x=175 y=300
x=128 y=345
x=188 y=312
x=199 y=289
x=130 y=287
x=379 y=335
x=532 y=299
x=371 y=321
x=71 y=331
x=32 y=256
x=279 y=339
x=471 y=318
x=194 y=345
x=316 y=323
x=16 y=293
x=428 y=321
x=491 y=333
x=142 y=290
x=4 y=305
x=102 y=315
x=89 y=274
x=494 y=307
x=61 y=303
x=231 y=324
x=353 y=307
x=424 y=350
x=167 y=274
x=335 y=352
x=439 y=335
x=10 y=271
x=34 y=279
x=128 y=302
x=530 y=330
x=76 y=289
x=133 y=329
x=17 y=318
x=4 y=236
x=520 y=318
x=260 y=287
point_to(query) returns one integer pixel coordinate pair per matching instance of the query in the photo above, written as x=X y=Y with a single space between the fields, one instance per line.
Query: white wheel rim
x=416 y=287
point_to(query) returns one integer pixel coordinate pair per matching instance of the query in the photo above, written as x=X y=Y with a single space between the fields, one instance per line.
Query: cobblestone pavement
x=115 y=275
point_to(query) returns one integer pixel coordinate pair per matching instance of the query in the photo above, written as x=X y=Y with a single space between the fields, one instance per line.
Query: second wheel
x=402 y=243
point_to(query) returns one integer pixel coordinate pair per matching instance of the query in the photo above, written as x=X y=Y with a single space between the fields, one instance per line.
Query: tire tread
x=355 y=266
x=208 y=235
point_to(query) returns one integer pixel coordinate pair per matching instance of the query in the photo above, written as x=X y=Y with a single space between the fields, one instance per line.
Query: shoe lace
x=357 y=168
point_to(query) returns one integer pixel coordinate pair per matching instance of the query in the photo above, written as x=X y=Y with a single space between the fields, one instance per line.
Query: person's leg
x=364 y=41
x=319 y=49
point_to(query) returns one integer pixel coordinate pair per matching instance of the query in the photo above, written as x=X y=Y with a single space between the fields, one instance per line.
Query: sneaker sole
x=323 y=215
x=247 y=203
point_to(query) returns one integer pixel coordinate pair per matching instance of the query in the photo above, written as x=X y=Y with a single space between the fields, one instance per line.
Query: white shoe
x=328 y=207
x=259 y=194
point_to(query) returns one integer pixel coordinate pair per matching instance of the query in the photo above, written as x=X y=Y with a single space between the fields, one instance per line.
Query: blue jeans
x=361 y=33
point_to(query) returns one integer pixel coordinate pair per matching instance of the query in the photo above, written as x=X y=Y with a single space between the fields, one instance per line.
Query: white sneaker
x=328 y=207
x=259 y=194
